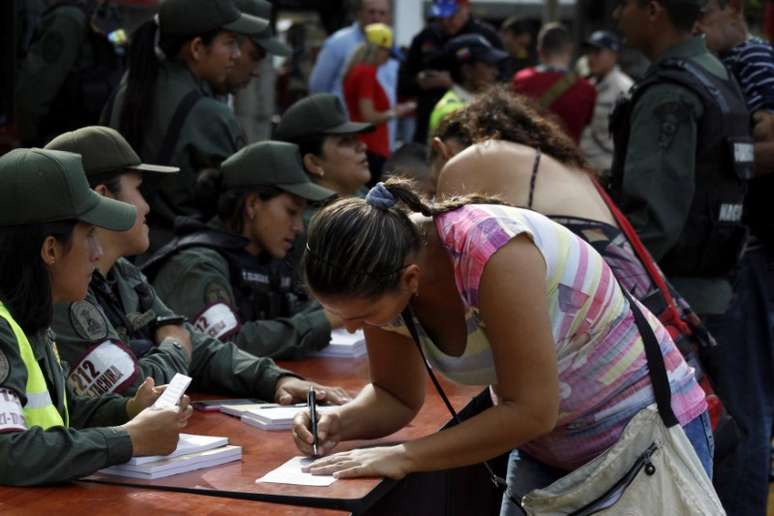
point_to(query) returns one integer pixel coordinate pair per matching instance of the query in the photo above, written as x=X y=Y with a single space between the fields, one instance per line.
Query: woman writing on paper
x=504 y=297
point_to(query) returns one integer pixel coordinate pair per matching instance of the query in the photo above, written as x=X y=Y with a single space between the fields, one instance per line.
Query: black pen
x=311 y=401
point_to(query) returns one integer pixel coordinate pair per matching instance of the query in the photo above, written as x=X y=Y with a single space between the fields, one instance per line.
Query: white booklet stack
x=193 y=452
x=273 y=418
x=344 y=344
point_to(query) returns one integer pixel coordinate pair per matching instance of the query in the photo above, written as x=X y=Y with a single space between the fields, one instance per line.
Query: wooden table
x=232 y=486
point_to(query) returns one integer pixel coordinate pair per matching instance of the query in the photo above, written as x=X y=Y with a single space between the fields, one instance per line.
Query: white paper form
x=290 y=473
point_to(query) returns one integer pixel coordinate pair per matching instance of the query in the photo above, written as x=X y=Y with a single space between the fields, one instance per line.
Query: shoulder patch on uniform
x=217 y=321
x=5 y=367
x=216 y=292
x=88 y=321
x=51 y=47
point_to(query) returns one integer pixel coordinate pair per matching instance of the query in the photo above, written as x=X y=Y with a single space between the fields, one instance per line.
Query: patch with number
x=5 y=368
x=217 y=321
x=11 y=412
x=216 y=292
x=88 y=321
x=107 y=367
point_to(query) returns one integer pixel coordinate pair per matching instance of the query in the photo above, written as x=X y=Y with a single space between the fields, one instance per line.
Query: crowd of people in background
x=515 y=195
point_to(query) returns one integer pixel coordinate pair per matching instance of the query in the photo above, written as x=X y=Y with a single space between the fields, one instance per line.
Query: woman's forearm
x=372 y=414
x=495 y=431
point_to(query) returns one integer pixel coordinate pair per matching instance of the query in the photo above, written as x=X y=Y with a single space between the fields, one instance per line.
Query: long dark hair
x=25 y=288
x=143 y=67
x=357 y=250
x=500 y=114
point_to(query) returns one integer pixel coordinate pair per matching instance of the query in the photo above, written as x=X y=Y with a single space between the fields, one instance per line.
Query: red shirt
x=575 y=107
x=361 y=83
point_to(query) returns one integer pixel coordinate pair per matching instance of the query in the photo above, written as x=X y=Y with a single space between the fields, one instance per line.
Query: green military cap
x=319 y=114
x=194 y=17
x=264 y=39
x=102 y=150
x=39 y=185
x=271 y=163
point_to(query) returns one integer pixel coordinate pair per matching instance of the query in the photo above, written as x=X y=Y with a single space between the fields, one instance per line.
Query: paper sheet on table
x=290 y=473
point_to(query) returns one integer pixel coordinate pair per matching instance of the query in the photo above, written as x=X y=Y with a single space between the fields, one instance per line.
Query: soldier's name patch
x=217 y=321
x=88 y=321
x=5 y=367
x=11 y=412
x=106 y=368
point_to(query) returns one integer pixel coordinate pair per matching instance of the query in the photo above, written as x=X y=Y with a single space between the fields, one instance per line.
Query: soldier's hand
x=144 y=397
x=293 y=390
x=156 y=431
x=176 y=332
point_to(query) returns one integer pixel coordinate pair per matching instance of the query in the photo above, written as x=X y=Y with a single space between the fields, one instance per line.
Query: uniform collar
x=692 y=47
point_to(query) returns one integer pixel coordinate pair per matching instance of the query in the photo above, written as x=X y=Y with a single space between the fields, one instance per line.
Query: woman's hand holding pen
x=328 y=432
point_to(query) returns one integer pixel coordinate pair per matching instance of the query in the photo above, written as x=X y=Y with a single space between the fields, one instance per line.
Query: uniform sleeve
x=326 y=69
x=161 y=363
x=33 y=456
x=223 y=367
x=287 y=338
x=196 y=284
x=50 y=60
x=659 y=170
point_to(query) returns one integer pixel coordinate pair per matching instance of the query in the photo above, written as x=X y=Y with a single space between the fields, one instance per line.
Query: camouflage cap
x=194 y=17
x=319 y=114
x=265 y=39
x=272 y=163
x=102 y=150
x=38 y=186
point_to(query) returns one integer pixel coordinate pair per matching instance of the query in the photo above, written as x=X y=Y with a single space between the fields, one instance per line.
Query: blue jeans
x=526 y=473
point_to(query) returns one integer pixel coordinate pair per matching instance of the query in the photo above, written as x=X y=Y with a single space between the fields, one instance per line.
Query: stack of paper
x=240 y=409
x=193 y=452
x=344 y=344
x=274 y=418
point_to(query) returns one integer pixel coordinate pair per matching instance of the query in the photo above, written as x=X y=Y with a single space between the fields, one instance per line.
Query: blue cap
x=445 y=8
x=604 y=39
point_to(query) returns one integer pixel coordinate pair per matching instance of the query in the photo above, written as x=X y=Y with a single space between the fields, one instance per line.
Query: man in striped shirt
x=751 y=61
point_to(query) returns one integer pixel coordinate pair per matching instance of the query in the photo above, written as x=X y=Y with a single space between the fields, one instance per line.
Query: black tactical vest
x=714 y=236
x=262 y=289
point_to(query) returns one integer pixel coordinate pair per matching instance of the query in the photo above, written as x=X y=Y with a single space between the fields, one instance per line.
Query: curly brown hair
x=501 y=114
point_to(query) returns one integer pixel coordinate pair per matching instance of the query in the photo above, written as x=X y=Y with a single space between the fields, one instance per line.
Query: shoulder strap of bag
x=645 y=258
x=557 y=90
x=176 y=125
x=408 y=320
x=656 y=368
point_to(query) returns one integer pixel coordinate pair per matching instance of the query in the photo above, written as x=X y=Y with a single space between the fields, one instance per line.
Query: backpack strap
x=184 y=109
x=558 y=89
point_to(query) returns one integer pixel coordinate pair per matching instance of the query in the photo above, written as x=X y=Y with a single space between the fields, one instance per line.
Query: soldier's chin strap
x=408 y=320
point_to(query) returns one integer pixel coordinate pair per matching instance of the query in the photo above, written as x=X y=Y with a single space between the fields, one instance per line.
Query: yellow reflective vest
x=39 y=409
